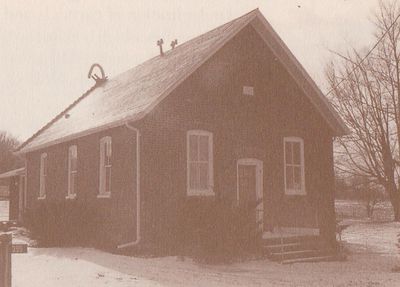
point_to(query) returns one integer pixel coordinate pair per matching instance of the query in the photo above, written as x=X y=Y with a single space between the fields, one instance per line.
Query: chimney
x=160 y=43
x=174 y=43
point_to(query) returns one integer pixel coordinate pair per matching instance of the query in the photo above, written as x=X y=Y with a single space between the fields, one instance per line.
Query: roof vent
x=174 y=43
x=160 y=43
x=95 y=77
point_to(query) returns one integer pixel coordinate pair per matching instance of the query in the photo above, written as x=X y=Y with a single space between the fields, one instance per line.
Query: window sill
x=200 y=193
x=104 y=195
x=295 y=192
x=71 y=197
x=41 y=198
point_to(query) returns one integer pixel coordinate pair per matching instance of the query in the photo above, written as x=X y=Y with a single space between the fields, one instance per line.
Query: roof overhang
x=12 y=173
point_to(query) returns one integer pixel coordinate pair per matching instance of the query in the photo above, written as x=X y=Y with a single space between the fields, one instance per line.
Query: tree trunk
x=395 y=201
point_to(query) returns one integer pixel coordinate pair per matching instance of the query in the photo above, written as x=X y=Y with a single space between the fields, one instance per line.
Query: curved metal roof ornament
x=95 y=77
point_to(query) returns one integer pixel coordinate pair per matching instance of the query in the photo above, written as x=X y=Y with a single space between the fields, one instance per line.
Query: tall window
x=43 y=176
x=199 y=163
x=294 y=166
x=105 y=167
x=72 y=171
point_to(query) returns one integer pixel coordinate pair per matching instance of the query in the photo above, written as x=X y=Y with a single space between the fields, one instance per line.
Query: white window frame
x=209 y=191
x=102 y=170
x=43 y=175
x=72 y=150
x=302 y=190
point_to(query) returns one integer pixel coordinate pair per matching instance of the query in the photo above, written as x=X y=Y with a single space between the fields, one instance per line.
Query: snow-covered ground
x=90 y=267
x=372 y=237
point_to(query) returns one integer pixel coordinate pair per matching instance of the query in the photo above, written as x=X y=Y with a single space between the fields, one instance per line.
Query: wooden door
x=250 y=191
x=247 y=185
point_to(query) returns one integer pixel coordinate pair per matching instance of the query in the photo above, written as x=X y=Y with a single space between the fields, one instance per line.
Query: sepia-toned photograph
x=200 y=143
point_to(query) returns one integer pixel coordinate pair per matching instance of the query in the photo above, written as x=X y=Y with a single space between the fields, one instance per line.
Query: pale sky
x=47 y=49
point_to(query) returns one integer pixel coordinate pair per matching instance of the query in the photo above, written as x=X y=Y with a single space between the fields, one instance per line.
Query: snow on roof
x=131 y=95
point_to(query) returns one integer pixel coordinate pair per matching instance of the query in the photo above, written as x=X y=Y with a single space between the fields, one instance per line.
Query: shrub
x=63 y=224
x=216 y=232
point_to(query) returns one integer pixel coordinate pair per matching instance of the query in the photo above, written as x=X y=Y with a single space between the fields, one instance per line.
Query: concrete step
x=282 y=247
x=310 y=259
x=282 y=256
x=291 y=239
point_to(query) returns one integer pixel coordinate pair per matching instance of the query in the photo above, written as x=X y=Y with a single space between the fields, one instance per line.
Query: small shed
x=17 y=192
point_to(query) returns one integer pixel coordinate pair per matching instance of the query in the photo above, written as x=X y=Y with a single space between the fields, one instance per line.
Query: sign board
x=19 y=248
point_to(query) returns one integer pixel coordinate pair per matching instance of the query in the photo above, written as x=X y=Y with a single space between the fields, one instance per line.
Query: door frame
x=258 y=164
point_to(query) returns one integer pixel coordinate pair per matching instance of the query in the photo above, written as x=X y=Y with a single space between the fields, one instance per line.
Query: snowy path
x=59 y=267
x=372 y=237
x=89 y=267
x=370 y=266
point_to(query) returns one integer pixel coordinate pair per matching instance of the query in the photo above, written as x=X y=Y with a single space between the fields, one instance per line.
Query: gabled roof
x=131 y=95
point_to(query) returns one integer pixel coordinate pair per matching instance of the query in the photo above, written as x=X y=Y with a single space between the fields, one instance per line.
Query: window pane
x=43 y=191
x=203 y=146
x=193 y=175
x=45 y=166
x=73 y=155
x=108 y=148
x=73 y=164
x=72 y=183
x=108 y=179
x=105 y=153
x=72 y=151
x=289 y=177
x=296 y=152
x=288 y=152
x=203 y=169
x=297 y=177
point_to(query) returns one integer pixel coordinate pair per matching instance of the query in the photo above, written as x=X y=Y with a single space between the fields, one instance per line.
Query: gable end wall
x=243 y=127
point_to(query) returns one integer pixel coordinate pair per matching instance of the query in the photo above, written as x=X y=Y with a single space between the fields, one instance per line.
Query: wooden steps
x=288 y=250
x=281 y=247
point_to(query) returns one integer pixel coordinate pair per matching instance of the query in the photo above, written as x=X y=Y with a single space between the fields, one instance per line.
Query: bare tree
x=366 y=92
x=7 y=159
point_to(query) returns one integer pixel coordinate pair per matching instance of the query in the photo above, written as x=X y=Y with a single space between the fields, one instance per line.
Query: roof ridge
x=58 y=116
x=178 y=47
x=229 y=23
